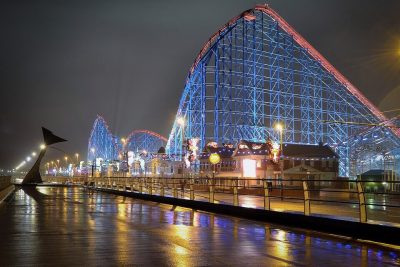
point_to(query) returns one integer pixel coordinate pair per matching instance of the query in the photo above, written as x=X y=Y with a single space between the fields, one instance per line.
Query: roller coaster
x=257 y=71
x=108 y=147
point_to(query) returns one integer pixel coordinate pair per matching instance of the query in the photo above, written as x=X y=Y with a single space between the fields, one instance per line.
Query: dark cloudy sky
x=63 y=62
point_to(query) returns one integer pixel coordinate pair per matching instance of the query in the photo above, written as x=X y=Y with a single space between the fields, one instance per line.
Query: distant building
x=312 y=162
x=376 y=180
x=255 y=160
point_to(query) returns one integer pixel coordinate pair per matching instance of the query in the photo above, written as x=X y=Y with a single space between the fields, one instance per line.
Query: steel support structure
x=144 y=140
x=256 y=71
x=103 y=144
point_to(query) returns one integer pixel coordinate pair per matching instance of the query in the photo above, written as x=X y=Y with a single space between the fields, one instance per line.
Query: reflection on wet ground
x=70 y=226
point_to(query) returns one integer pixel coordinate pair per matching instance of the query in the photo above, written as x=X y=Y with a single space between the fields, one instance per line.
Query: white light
x=42 y=146
x=181 y=121
x=279 y=127
x=249 y=168
x=28 y=159
x=33 y=153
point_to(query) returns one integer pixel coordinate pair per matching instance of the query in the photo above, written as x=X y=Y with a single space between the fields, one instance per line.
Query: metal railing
x=363 y=201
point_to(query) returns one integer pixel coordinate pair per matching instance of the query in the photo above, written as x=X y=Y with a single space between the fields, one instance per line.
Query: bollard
x=191 y=189
x=362 y=204
x=211 y=191
x=235 y=192
x=307 y=203
x=267 y=202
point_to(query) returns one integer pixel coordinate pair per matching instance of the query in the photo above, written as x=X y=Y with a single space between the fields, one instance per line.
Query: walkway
x=72 y=226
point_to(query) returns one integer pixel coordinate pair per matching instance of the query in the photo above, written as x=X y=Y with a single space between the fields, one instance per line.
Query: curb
x=9 y=191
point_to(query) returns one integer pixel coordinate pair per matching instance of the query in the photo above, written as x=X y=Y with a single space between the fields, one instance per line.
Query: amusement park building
x=313 y=162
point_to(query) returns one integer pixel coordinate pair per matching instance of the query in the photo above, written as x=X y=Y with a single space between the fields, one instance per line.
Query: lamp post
x=93 y=161
x=125 y=154
x=279 y=128
x=181 y=122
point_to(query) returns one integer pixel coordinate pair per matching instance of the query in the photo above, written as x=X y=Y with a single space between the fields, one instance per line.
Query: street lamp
x=33 y=154
x=42 y=146
x=93 y=161
x=66 y=162
x=181 y=122
x=279 y=128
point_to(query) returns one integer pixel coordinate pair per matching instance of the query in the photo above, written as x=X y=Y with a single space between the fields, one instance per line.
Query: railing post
x=361 y=200
x=151 y=185
x=140 y=185
x=211 y=190
x=235 y=192
x=191 y=189
x=267 y=202
x=162 y=189
x=307 y=206
x=175 y=191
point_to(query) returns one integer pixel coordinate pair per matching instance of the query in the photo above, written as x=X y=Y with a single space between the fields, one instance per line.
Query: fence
x=364 y=201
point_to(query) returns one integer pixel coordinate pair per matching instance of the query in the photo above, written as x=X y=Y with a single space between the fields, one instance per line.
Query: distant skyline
x=64 y=62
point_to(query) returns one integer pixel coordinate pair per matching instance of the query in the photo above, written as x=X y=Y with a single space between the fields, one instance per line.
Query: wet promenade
x=59 y=226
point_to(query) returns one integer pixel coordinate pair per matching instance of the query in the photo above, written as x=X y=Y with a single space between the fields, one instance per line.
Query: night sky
x=63 y=62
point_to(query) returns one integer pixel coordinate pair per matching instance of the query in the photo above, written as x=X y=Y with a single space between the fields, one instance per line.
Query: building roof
x=308 y=151
x=245 y=148
x=223 y=152
x=376 y=172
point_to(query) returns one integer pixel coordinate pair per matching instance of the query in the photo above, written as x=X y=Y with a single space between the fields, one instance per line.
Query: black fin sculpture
x=33 y=176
